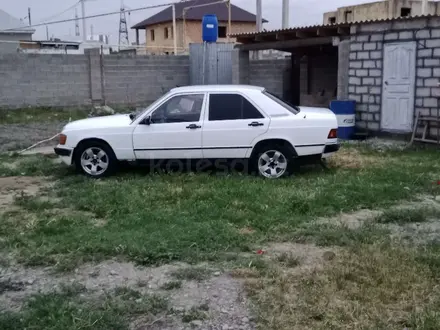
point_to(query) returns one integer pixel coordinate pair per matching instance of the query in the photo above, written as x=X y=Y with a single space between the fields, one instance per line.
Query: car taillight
x=333 y=134
x=63 y=139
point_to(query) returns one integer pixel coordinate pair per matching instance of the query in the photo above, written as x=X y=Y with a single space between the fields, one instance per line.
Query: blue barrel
x=210 y=28
x=345 y=112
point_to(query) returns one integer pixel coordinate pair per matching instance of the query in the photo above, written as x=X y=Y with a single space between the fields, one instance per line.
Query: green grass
x=40 y=115
x=364 y=287
x=37 y=165
x=65 y=309
x=172 y=285
x=34 y=115
x=336 y=235
x=157 y=218
x=404 y=215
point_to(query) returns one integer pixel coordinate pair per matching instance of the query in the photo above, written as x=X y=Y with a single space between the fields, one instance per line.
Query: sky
x=302 y=13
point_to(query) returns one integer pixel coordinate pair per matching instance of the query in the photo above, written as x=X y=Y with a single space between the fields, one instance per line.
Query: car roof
x=217 y=88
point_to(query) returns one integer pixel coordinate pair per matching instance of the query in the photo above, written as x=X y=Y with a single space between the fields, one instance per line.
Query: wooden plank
x=304 y=34
x=428 y=118
x=280 y=36
x=425 y=140
x=287 y=44
x=416 y=124
x=345 y=31
x=322 y=32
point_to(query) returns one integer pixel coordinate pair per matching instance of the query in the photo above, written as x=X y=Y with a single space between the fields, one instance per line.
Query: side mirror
x=146 y=121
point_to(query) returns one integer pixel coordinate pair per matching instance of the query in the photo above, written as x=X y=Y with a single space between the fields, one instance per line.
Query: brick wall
x=75 y=80
x=194 y=30
x=161 y=44
x=274 y=75
x=366 y=65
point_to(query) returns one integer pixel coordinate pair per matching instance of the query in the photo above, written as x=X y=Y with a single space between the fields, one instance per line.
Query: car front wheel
x=95 y=160
x=273 y=162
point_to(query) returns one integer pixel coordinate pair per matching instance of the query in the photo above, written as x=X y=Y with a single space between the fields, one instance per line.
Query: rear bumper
x=328 y=151
x=330 y=148
x=65 y=154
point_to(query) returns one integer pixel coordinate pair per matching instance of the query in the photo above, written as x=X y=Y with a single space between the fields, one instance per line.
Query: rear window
x=285 y=104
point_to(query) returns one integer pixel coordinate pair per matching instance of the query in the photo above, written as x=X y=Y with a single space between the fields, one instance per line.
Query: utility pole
x=77 y=33
x=29 y=16
x=285 y=24
x=174 y=30
x=229 y=20
x=123 y=30
x=259 y=16
x=47 y=32
x=256 y=53
x=83 y=9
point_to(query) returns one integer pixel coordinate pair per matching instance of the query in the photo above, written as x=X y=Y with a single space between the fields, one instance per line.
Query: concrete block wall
x=272 y=74
x=319 y=78
x=140 y=80
x=43 y=80
x=366 y=66
x=54 y=80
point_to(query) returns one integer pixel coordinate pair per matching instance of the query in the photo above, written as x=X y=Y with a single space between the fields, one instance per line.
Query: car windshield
x=292 y=108
x=134 y=115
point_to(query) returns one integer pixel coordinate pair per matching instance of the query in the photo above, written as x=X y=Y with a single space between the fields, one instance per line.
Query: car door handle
x=193 y=126
x=255 y=124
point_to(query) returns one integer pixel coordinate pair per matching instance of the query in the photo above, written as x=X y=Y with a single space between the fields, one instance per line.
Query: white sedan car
x=214 y=122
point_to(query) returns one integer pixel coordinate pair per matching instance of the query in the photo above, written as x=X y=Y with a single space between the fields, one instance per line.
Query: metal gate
x=210 y=64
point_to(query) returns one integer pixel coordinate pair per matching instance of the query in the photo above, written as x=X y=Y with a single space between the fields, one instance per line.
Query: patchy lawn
x=354 y=219
x=40 y=115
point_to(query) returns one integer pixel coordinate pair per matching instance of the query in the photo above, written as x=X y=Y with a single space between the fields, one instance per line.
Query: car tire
x=273 y=161
x=95 y=159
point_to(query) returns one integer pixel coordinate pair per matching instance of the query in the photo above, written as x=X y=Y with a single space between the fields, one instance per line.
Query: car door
x=232 y=122
x=173 y=130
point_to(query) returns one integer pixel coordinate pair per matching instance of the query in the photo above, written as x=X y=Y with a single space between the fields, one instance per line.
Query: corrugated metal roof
x=8 y=22
x=345 y=24
x=220 y=9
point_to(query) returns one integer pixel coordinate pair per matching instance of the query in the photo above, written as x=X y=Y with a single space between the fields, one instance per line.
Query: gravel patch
x=19 y=136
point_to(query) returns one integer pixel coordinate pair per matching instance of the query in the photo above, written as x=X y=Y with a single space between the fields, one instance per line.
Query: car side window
x=179 y=109
x=231 y=107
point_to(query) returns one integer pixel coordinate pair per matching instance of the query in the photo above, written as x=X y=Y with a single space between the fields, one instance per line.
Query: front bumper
x=65 y=154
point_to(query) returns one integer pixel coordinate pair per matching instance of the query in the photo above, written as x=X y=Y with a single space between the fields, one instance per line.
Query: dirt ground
x=227 y=307
x=15 y=186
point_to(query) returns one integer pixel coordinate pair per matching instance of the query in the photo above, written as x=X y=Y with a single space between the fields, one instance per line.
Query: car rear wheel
x=273 y=162
x=95 y=160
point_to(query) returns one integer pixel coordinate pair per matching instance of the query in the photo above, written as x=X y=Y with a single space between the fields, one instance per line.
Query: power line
x=59 y=14
x=94 y=16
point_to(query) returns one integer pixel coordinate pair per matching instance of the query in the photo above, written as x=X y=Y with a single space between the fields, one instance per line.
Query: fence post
x=95 y=75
